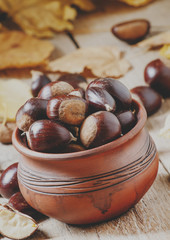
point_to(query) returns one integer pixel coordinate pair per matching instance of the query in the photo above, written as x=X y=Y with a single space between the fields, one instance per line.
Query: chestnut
x=100 y=99
x=73 y=147
x=157 y=75
x=151 y=99
x=116 y=89
x=34 y=109
x=75 y=80
x=9 y=181
x=18 y=202
x=131 y=31
x=127 y=120
x=53 y=89
x=67 y=109
x=99 y=128
x=39 y=80
x=47 y=136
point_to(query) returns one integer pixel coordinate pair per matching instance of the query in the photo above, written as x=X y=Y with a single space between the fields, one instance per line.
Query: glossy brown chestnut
x=54 y=89
x=99 y=128
x=34 y=109
x=39 y=80
x=67 y=109
x=75 y=80
x=151 y=100
x=131 y=31
x=9 y=181
x=72 y=147
x=90 y=186
x=116 y=89
x=157 y=75
x=18 y=202
x=127 y=120
x=47 y=136
x=100 y=99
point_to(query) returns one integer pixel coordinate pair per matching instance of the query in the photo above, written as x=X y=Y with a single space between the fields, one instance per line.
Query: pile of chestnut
x=63 y=117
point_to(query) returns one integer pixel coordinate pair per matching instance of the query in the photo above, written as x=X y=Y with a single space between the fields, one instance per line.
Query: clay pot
x=93 y=185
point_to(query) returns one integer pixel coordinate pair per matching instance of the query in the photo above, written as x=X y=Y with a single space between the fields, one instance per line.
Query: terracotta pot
x=93 y=185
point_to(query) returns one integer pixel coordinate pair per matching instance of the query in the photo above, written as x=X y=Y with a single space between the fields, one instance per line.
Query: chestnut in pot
x=34 y=109
x=75 y=80
x=99 y=128
x=39 y=80
x=116 y=89
x=67 y=109
x=54 y=89
x=47 y=136
x=127 y=120
x=100 y=99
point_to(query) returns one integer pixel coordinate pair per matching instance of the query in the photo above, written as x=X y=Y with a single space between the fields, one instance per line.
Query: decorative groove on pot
x=91 y=183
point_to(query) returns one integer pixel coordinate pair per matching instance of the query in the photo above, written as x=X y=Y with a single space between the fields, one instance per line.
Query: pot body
x=90 y=186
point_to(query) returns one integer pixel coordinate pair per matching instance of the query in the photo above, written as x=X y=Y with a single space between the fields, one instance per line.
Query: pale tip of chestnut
x=16 y=225
x=73 y=139
x=108 y=107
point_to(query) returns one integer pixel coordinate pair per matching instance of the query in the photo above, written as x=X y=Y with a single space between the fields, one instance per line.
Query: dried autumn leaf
x=101 y=61
x=136 y=3
x=18 y=50
x=155 y=41
x=16 y=225
x=13 y=94
x=165 y=131
x=42 y=17
x=165 y=51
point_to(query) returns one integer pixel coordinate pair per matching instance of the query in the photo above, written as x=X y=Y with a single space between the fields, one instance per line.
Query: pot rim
x=141 y=116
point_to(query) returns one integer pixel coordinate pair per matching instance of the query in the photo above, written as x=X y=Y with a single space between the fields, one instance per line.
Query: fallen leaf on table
x=165 y=131
x=42 y=17
x=155 y=41
x=13 y=94
x=100 y=61
x=137 y=3
x=165 y=51
x=18 y=50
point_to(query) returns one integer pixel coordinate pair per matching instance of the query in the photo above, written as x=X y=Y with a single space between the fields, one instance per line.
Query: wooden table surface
x=150 y=218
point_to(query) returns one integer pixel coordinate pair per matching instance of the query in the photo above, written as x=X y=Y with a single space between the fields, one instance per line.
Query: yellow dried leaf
x=42 y=17
x=101 y=61
x=155 y=41
x=165 y=131
x=136 y=3
x=18 y=50
x=165 y=51
x=86 y=5
x=13 y=94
